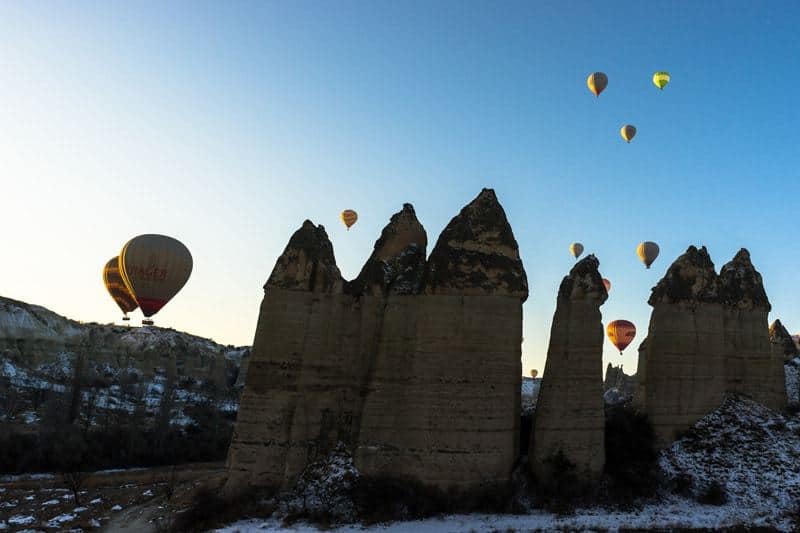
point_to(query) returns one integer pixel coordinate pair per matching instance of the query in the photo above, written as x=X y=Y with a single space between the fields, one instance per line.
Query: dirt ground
x=140 y=500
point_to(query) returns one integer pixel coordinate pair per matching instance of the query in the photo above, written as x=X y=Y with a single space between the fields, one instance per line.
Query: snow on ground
x=675 y=513
x=530 y=393
x=792 y=377
x=749 y=450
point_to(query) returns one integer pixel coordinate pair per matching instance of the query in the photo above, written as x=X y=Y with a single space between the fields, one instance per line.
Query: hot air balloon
x=534 y=373
x=661 y=79
x=647 y=252
x=117 y=289
x=576 y=249
x=628 y=132
x=597 y=82
x=349 y=218
x=607 y=285
x=154 y=268
x=621 y=333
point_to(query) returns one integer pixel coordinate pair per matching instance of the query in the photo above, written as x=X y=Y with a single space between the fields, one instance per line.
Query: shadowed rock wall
x=570 y=411
x=708 y=336
x=414 y=365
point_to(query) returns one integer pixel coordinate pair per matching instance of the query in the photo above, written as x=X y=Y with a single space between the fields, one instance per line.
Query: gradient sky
x=226 y=124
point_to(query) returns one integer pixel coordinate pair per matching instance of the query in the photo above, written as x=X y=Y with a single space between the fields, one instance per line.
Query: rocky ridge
x=370 y=363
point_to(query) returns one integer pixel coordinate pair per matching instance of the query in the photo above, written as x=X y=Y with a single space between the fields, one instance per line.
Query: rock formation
x=619 y=387
x=782 y=341
x=751 y=366
x=414 y=365
x=569 y=414
x=707 y=337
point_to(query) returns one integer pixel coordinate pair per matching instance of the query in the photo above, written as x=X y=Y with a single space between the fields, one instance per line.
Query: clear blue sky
x=225 y=124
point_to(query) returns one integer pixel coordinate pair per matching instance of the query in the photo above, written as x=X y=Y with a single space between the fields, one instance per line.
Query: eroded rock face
x=707 y=337
x=570 y=413
x=751 y=366
x=401 y=365
x=782 y=341
x=397 y=264
x=477 y=253
x=307 y=263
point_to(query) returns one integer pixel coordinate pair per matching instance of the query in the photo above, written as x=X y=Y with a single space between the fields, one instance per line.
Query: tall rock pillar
x=283 y=421
x=682 y=366
x=752 y=367
x=443 y=405
x=569 y=414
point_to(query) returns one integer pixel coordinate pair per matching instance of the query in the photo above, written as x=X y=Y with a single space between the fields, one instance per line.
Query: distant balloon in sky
x=661 y=79
x=628 y=132
x=534 y=373
x=621 y=334
x=607 y=285
x=576 y=249
x=154 y=268
x=647 y=252
x=597 y=82
x=349 y=218
x=117 y=289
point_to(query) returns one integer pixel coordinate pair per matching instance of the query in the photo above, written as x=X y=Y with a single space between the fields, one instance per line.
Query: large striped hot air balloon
x=647 y=252
x=349 y=218
x=154 y=268
x=621 y=333
x=117 y=289
x=597 y=82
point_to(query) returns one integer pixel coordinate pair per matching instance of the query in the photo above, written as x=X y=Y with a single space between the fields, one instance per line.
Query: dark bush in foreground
x=384 y=499
x=631 y=457
x=209 y=508
x=713 y=494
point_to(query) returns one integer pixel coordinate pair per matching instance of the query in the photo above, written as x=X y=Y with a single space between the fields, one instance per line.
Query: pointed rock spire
x=584 y=282
x=779 y=335
x=477 y=253
x=307 y=263
x=741 y=285
x=691 y=278
x=397 y=263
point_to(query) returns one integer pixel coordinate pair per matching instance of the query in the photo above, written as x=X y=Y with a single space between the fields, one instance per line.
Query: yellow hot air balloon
x=576 y=249
x=607 y=285
x=628 y=132
x=117 y=289
x=349 y=218
x=621 y=333
x=597 y=82
x=534 y=373
x=154 y=268
x=661 y=79
x=647 y=252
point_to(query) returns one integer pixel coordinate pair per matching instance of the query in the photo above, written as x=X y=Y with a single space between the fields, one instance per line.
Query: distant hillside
x=56 y=374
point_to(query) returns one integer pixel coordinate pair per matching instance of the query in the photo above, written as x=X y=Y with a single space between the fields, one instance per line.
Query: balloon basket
x=147 y=322
x=126 y=318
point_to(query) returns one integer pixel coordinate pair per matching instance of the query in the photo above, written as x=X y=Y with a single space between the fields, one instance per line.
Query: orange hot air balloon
x=349 y=218
x=597 y=82
x=607 y=285
x=621 y=333
x=117 y=289
x=534 y=373
x=154 y=268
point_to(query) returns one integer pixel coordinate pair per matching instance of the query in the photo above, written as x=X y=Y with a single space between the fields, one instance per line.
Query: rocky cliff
x=708 y=336
x=401 y=364
x=569 y=414
x=782 y=342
